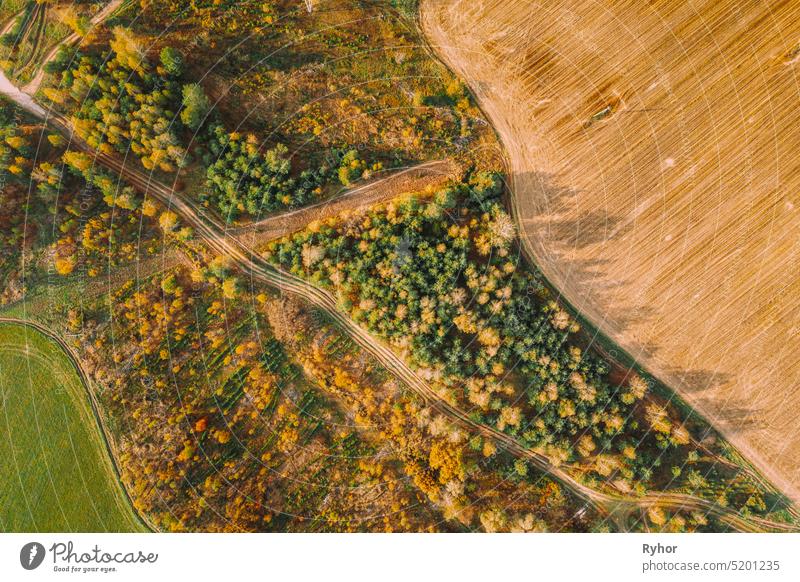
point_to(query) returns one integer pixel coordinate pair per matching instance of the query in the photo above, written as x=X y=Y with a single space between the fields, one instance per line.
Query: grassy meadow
x=55 y=474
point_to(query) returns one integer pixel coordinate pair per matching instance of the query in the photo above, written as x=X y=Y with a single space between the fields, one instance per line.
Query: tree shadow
x=736 y=413
x=556 y=234
x=591 y=228
x=575 y=232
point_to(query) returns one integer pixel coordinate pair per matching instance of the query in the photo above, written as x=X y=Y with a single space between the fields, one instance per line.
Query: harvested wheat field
x=656 y=178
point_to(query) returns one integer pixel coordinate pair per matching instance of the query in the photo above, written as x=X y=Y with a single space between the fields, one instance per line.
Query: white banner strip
x=371 y=557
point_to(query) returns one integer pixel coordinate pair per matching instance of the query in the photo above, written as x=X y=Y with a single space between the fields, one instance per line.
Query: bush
x=195 y=106
x=352 y=168
x=172 y=61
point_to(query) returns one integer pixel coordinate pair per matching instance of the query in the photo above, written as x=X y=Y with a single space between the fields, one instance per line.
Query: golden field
x=653 y=151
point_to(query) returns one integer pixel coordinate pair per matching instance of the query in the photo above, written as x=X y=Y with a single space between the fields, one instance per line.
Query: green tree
x=352 y=167
x=172 y=61
x=195 y=106
x=169 y=285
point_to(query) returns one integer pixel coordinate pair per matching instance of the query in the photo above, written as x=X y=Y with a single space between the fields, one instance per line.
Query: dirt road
x=617 y=507
x=653 y=149
x=412 y=179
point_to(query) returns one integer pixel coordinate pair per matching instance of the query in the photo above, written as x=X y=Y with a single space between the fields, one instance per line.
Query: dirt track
x=72 y=39
x=617 y=507
x=412 y=179
x=655 y=174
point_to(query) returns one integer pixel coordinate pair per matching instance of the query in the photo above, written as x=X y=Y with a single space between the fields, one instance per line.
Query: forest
x=137 y=99
x=233 y=404
x=439 y=276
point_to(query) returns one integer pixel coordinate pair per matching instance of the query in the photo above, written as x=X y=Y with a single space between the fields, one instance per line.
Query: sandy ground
x=656 y=178
x=9 y=90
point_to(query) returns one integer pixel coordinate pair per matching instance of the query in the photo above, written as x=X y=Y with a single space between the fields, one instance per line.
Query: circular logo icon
x=31 y=555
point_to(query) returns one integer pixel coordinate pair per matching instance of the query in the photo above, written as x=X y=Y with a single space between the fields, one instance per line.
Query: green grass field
x=55 y=473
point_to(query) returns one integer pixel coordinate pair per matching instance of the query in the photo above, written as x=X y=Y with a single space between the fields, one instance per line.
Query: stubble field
x=654 y=169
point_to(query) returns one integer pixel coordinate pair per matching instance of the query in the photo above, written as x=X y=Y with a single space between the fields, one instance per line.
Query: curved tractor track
x=35 y=27
x=32 y=17
x=33 y=86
